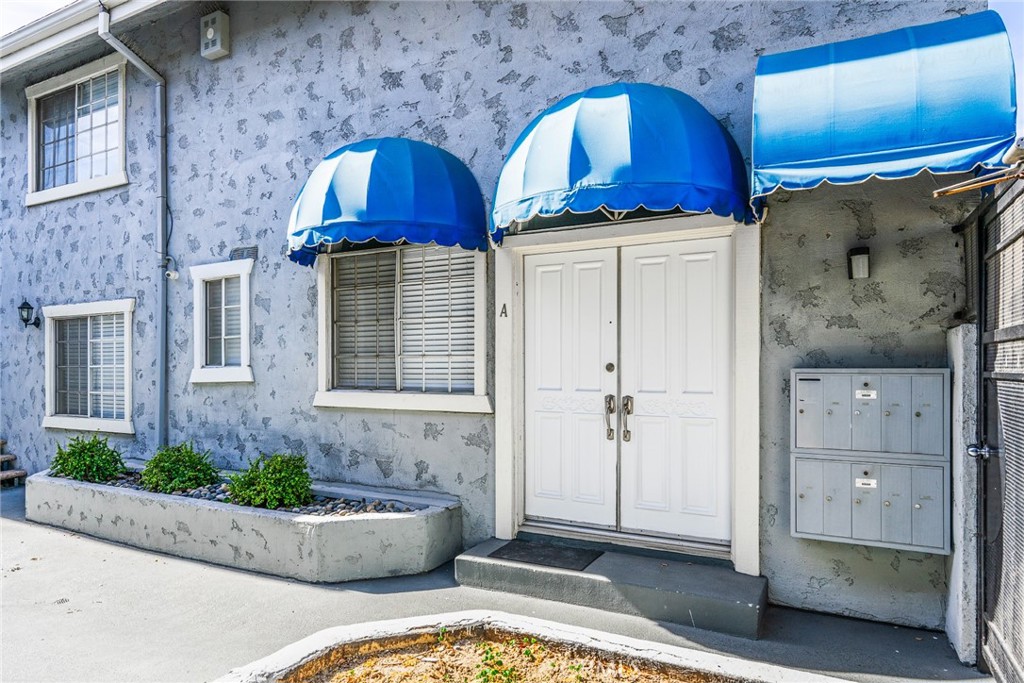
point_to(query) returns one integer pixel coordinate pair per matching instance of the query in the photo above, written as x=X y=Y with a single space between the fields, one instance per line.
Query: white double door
x=627 y=388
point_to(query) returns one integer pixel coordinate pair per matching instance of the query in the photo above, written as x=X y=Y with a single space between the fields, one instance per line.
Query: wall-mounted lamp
x=858 y=263
x=25 y=313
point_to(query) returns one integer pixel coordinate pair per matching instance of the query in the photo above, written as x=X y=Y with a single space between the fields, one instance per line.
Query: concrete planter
x=305 y=547
x=311 y=656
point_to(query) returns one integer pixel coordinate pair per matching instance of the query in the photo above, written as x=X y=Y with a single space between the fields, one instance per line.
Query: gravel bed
x=322 y=506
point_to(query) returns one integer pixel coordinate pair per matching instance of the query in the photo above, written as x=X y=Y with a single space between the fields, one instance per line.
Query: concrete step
x=704 y=596
x=7 y=457
x=12 y=476
x=3 y=445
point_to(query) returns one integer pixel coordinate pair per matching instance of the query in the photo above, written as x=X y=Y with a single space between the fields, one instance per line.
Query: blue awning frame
x=619 y=148
x=389 y=190
x=938 y=97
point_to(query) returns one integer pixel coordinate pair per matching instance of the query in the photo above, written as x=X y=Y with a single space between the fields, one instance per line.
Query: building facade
x=244 y=132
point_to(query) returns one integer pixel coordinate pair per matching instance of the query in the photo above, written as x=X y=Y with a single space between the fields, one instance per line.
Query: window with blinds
x=404 y=320
x=90 y=366
x=224 y=322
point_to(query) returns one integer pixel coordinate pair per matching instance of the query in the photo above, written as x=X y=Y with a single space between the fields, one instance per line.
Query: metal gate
x=1000 y=250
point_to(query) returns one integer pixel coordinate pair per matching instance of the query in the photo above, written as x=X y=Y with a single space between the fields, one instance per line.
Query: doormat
x=547 y=555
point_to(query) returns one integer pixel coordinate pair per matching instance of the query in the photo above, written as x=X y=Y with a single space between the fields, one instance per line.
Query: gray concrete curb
x=276 y=666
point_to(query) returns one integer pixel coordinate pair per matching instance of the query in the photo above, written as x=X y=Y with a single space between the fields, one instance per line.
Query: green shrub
x=87 y=460
x=273 y=481
x=179 y=468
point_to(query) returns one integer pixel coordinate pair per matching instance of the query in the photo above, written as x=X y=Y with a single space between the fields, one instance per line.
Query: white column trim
x=746 y=532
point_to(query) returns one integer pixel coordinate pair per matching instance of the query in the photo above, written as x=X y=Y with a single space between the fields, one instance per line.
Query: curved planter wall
x=305 y=547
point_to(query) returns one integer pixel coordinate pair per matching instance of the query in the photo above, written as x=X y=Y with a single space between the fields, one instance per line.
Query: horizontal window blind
x=436 y=320
x=224 y=322
x=364 y=320
x=90 y=368
x=404 y=320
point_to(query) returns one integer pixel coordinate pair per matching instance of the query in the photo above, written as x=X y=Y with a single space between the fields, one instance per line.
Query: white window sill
x=75 y=189
x=397 y=400
x=88 y=424
x=227 y=375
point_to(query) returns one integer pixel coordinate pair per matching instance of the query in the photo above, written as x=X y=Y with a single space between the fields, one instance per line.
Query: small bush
x=273 y=481
x=87 y=460
x=179 y=468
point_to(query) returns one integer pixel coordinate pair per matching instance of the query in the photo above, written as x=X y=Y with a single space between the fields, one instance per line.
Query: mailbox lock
x=867 y=384
x=856 y=412
x=801 y=411
x=917 y=506
x=828 y=499
x=800 y=496
x=917 y=414
x=828 y=412
x=866 y=473
x=887 y=413
x=886 y=503
x=856 y=501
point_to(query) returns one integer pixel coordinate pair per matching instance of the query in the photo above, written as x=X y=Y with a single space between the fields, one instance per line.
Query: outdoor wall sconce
x=858 y=263
x=25 y=313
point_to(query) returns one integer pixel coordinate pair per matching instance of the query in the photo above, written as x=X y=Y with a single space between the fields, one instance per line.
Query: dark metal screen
x=1001 y=315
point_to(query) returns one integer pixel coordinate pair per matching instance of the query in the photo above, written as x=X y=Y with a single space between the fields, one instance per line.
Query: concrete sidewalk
x=73 y=608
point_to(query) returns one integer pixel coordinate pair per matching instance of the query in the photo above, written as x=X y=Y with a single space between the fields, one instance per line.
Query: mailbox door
x=838 y=499
x=809 y=496
x=867 y=434
x=895 y=487
x=808 y=412
x=837 y=399
x=928 y=510
x=895 y=405
x=867 y=508
x=928 y=410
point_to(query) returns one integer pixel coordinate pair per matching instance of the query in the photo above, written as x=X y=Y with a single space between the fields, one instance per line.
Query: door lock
x=981 y=451
x=609 y=409
x=627 y=409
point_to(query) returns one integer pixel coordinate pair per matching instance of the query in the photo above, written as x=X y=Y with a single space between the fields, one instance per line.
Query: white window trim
x=477 y=402
x=216 y=271
x=34 y=92
x=87 y=424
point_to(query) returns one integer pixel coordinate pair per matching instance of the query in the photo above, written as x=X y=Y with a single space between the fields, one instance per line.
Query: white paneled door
x=645 y=331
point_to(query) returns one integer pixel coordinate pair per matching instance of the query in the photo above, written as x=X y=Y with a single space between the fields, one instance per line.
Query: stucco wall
x=814 y=316
x=244 y=132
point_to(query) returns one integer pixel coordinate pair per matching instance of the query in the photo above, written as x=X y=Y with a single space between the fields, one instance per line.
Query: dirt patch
x=472 y=656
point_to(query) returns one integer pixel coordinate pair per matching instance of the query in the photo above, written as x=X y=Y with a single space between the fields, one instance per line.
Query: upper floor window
x=76 y=123
x=404 y=328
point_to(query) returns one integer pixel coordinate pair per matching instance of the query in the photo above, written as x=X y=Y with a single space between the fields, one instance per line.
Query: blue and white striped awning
x=939 y=97
x=389 y=190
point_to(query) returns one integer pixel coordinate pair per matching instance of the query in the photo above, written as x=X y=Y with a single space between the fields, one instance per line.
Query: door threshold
x=627 y=541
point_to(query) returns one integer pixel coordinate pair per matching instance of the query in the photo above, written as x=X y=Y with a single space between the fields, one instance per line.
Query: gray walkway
x=73 y=608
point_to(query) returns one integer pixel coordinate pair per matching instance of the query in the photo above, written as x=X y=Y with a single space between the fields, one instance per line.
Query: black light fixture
x=858 y=263
x=25 y=313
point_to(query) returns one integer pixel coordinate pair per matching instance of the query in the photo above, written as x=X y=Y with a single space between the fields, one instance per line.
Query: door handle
x=609 y=409
x=627 y=409
x=981 y=451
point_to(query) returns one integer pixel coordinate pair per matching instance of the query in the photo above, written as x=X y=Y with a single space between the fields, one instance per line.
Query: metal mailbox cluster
x=870 y=457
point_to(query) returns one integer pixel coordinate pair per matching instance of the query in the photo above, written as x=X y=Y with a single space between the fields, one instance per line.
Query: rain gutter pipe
x=161 y=215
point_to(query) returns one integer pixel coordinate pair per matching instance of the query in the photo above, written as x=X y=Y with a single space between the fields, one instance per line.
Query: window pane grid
x=79 y=132
x=90 y=353
x=224 y=322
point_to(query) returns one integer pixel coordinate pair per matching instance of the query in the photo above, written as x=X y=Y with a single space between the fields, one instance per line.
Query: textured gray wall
x=303 y=79
x=813 y=316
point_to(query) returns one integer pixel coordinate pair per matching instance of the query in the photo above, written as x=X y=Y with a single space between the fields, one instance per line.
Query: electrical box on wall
x=214 y=35
x=870 y=457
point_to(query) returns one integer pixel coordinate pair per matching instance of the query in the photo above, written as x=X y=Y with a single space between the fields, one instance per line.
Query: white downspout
x=161 y=216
